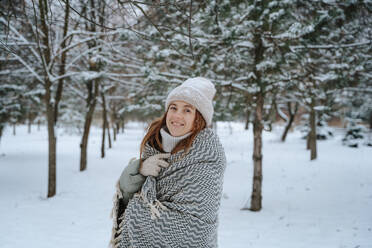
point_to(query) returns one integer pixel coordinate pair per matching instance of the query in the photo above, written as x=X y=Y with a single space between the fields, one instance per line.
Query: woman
x=171 y=196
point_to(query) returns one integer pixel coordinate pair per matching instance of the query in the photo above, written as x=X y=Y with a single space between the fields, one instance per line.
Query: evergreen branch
x=332 y=46
x=160 y=32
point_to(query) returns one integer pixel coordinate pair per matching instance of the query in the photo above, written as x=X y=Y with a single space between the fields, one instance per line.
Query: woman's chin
x=176 y=133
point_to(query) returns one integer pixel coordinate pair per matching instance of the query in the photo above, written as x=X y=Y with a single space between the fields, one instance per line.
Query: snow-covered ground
x=320 y=204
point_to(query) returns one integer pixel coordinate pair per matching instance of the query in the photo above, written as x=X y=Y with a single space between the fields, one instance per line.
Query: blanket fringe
x=117 y=230
x=154 y=207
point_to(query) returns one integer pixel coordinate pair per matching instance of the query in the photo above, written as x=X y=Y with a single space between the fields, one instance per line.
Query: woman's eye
x=188 y=110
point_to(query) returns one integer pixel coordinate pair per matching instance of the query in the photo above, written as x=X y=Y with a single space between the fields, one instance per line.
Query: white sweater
x=169 y=142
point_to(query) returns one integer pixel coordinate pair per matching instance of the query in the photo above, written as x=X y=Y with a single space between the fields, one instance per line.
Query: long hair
x=153 y=137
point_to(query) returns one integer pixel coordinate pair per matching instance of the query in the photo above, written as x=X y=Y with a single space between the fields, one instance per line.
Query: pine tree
x=323 y=62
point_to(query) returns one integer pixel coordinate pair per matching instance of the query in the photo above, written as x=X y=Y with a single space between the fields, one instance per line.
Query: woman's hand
x=152 y=165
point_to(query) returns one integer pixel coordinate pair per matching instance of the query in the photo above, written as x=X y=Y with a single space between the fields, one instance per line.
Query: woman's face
x=180 y=118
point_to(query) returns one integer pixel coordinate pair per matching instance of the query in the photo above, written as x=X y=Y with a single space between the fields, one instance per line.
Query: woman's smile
x=177 y=124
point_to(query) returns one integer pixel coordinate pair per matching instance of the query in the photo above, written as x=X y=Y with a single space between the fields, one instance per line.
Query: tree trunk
x=114 y=120
x=93 y=88
x=38 y=125
x=122 y=126
x=312 y=135
x=103 y=139
x=50 y=114
x=52 y=142
x=114 y=131
x=287 y=127
x=269 y=127
x=29 y=123
x=308 y=141
x=62 y=68
x=1 y=131
x=108 y=134
x=104 y=124
x=248 y=101
x=271 y=115
x=14 y=129
x=91 y=102
x=84 y=140
x=256 y=197
x=292 y=115
x=117 y=127
x=105 y=116
x=247 y=117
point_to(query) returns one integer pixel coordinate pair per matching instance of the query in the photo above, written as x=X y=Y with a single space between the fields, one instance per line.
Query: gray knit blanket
x=179 y=208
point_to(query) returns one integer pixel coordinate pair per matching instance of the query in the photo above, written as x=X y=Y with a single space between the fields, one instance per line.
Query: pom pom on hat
x=198 y=92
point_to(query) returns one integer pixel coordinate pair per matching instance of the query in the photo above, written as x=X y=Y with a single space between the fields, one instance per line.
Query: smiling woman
x=170 y=197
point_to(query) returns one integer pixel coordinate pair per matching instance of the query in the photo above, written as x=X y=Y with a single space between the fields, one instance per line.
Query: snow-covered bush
x=323 y=131
x=355 y=136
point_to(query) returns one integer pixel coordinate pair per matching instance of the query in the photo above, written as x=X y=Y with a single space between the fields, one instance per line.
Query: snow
x=246 y=43
x=326 y=77
x=275 y=15
x=265 y=65
x=296 y=30
x=325 y=203
x=320 y=108
x=90 y=75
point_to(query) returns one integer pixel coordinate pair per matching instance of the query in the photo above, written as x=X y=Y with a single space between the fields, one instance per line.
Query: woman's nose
x=178 y=114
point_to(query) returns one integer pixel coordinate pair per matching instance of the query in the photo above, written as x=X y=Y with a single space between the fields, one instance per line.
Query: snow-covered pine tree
x=323 y=59
x=250 y=42
x=356 y=98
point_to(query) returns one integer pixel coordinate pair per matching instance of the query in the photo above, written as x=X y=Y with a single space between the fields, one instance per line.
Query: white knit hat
x=197 y=91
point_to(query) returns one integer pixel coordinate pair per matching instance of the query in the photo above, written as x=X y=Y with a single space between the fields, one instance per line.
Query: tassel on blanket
x=117 y=229
x=154 y=207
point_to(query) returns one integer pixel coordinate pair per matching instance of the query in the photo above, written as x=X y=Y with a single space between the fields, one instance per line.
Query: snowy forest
x=292 y=77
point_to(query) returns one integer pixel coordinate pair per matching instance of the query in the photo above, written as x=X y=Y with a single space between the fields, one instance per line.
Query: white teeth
x=177 y=124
